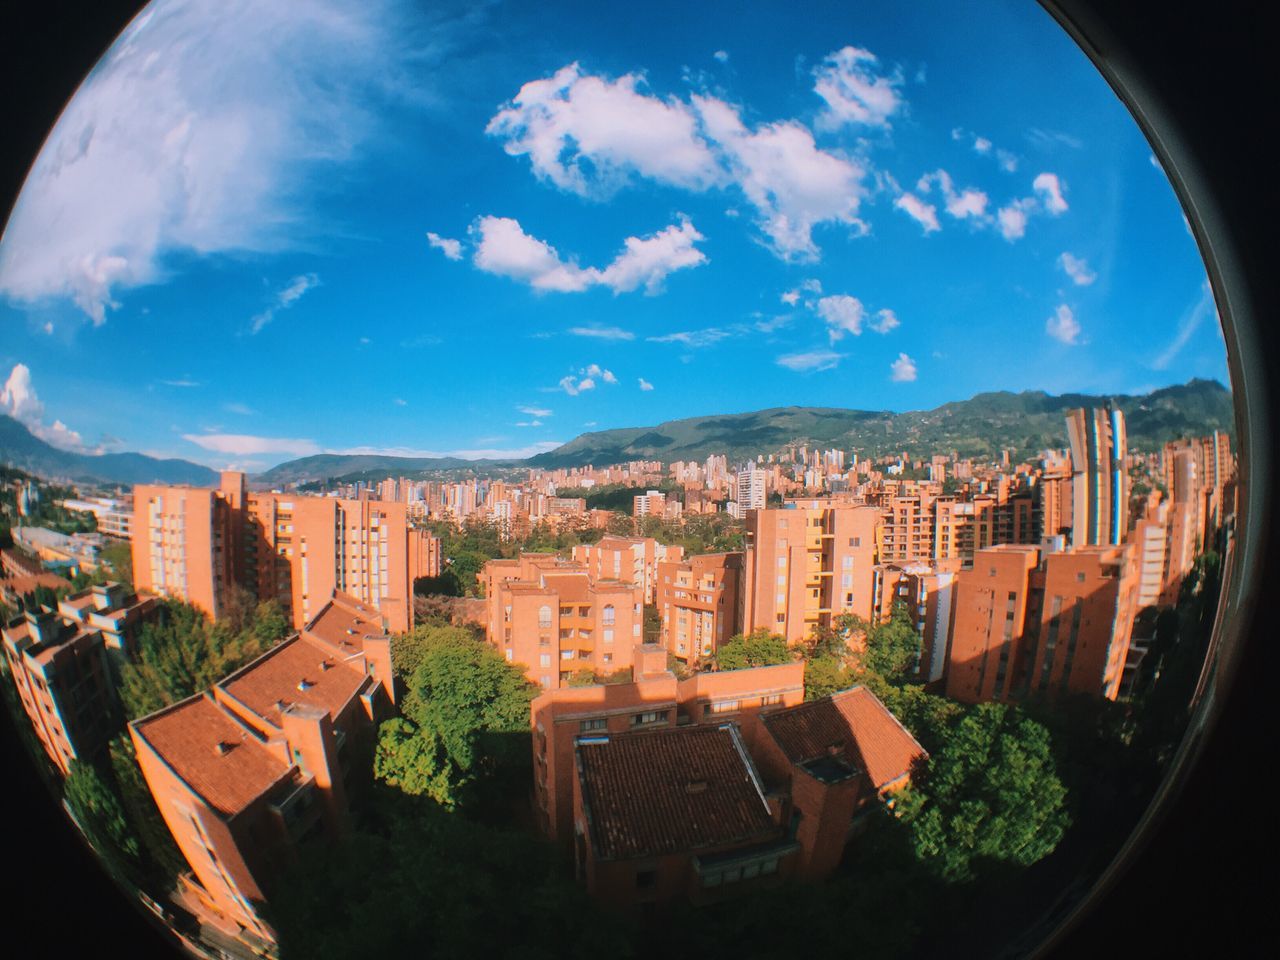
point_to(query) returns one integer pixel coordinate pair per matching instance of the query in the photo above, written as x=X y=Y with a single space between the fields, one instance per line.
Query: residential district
x=660 y=773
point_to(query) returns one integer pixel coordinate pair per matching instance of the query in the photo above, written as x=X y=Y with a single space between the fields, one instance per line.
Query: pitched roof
x=344 y=622
x=852 y=726
x=672 y=790
x=187 y=736
x=275 y=678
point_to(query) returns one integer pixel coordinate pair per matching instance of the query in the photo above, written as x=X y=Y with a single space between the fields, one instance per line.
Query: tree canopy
x=181 y=652
x=760 y=648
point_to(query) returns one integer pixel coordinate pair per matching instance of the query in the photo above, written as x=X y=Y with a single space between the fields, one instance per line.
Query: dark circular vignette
x=1195 y=83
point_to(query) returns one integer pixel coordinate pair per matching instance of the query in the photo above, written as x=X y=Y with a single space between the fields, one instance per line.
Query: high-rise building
x=633 y=559
x=198 y=544
x=698 y=604
x=1099 y=483
x=552 y=617
x=1033 y=627
x=806 y=562
x=750 y=488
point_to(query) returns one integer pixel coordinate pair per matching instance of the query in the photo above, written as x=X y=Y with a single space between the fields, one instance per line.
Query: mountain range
x=980 y=427
x=20 y=448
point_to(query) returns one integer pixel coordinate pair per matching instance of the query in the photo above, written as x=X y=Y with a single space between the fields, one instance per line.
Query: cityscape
x=417 y=534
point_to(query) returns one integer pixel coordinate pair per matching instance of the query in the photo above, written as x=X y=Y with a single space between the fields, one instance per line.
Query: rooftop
x=215 y=756
x=671 y=790
x=852 y=728
x=343 y=624
x=297 y=671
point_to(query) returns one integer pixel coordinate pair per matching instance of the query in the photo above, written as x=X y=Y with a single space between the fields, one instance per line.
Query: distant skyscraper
x=751 y=494
x=1099 y=484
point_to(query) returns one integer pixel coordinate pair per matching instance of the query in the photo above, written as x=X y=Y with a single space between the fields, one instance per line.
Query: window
x=543 y=661
x=855 y=541
x=1080 y=577
x=782 y=561
x=607 y=658
x=608 y=614
x=724 y=706
x=566 y=654
x=594 y=724
x=771 y=699
x=509 y=655
x=652 y=716
x=544 y=616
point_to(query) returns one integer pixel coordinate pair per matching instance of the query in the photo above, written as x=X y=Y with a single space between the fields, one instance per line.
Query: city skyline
x=542 y=269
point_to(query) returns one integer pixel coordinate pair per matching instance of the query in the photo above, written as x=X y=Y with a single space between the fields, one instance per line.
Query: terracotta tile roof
x=344 y=623
x=853 y=726
x=187 y=735
x=22 y=585
x=275 y=678
x=667 y=791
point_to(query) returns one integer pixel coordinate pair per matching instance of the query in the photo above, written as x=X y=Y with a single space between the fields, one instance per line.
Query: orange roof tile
x=672 y=790
x=187 y=735
x=275 y=677
x=852 y=725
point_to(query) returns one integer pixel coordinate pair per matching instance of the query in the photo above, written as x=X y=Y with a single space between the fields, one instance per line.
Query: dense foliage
x=464 y=733
x=760 y=648
x=181 y=652
x=97 y=810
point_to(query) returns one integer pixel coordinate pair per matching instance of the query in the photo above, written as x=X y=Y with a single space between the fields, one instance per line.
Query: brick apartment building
x=633 y=559
x=671 y=802
x=1043 y=627
x=699 y=604
x=196 y=543
x=65 y=666
x=653 y=699
x=551 y=616
x=807 y=562
x=244 y=773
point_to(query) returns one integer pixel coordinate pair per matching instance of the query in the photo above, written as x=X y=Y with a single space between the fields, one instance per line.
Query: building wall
x=699 y=605
x=808 y=563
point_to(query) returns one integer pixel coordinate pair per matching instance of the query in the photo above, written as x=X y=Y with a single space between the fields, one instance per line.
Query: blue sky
x=260 y=232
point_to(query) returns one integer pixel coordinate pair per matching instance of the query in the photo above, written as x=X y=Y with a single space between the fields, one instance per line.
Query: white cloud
x=1046 y=139
x=721 y=55
x=884 y=321
x=814 y=360
x=1013 y=219
x=561 y=121
x=199 y=133
x=969 y=202
x=790 y=298
x=19 y=400
x=793 y=185
x=925 y=214
x=842 y=314
x=530 y=423
x=645 y=384
x=241 y=444
x=981 y=145
x=450 y=248
x=1077 y=269
x=535 y=411
x=1008 y=161
x=48 y=326
x=854 y=92
x=286 y=298
x=506 y=250
x=595 y=370
x=400 y=402
x=1062 y=325
x=184 y=382
x=903 y=370
x=1191 y=319
x=241 y=408
x=585 y=379
x=1050 y=189
x=649 y=260
x=693 y=338
x=603 y=333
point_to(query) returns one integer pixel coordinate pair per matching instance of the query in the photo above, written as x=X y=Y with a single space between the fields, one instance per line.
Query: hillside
x=21 y=449
x=979 y=427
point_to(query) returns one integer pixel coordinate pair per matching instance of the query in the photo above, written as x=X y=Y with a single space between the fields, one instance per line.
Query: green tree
x=759 y=648
x=893 y=648
x=98 y=812
x=181 y=653
x=990 y=795
x=585 y=677
x=464 y=737
x=827 y=675
x=118 y=557
x=414 y=760
x=162 y=858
